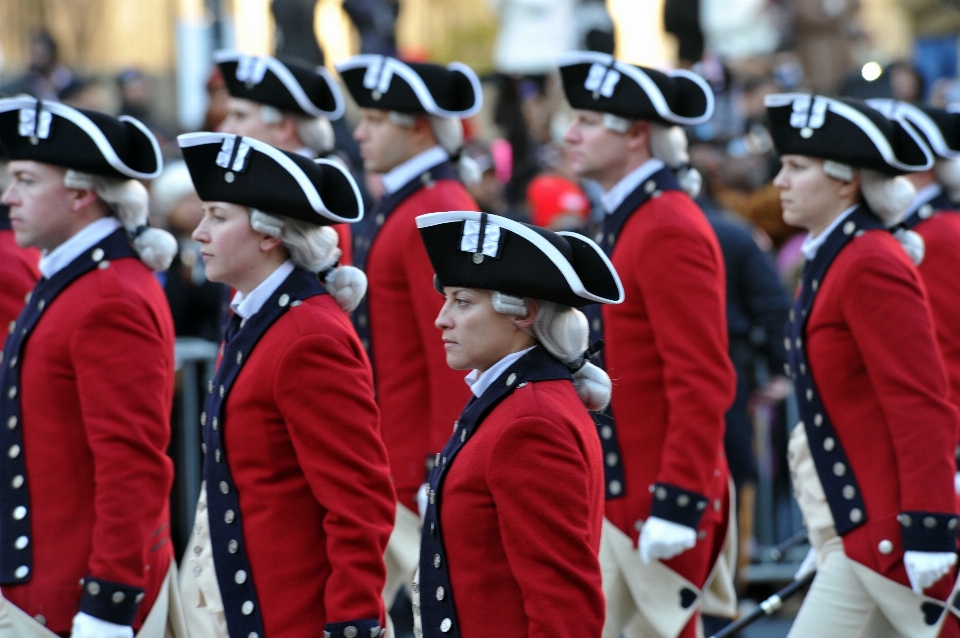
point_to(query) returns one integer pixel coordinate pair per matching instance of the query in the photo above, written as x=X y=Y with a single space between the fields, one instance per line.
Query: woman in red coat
x=514 y=505
x=872 y=459
x=297 y=507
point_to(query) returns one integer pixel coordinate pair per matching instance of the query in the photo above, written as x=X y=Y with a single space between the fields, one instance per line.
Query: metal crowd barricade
x=196 y=361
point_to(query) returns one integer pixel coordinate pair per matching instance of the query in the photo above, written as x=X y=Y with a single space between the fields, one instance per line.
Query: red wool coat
x=301 y=434
x=18 y=275
x=672 y=377
x=939 y=269
x=419 y=395
x=873 y=356
x=97 y=391
x=522 y=509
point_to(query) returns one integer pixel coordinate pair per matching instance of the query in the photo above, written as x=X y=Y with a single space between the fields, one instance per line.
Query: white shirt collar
x=812 y=244
x=419 y=163
x=307 y=152
x=480 y=382
x=60 y=257
x=924 y=195
x=248 y=306
x=615 y=196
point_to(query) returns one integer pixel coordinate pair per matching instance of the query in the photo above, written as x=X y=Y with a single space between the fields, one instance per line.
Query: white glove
x=86 y=626
x=660 y=539
x=926 y=568
x=956 y=483
x=808 y=566
x=422 y=497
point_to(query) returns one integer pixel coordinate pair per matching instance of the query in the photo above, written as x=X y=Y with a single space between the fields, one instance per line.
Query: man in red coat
x=410 y=126
x=18 y=271
x=285 y=103
x=87 y=380
x=666 y=344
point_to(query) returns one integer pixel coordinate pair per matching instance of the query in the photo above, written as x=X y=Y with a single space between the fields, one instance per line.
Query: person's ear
x=525 y=322
x=269 y=242
x=638 y=135
x=286 y=131
x=83 y=198
x=851 y=189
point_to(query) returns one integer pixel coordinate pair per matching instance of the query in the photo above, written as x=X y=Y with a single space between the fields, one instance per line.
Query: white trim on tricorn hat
x=606 y=73
x=380 y=71
x=923 y=120
x=253 y=69
x=798 y=133
x=233 y=156
x=44 y=128
x=501 y=228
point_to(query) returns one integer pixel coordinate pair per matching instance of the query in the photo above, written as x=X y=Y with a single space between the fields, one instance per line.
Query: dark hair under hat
x=939 y=128
x=244 y=171
x=846 y=131
x=82 y=140
x=599 y=82
x=282 y=82
x=478 y=250
x=383 y=82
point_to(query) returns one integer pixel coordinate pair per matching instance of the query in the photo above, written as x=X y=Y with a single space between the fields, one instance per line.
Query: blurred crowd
x=745 y=49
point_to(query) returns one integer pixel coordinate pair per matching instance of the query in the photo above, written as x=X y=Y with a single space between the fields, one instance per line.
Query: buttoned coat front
x=96 y=394
x=302 y=442
x=666 y=352
x=521 y=513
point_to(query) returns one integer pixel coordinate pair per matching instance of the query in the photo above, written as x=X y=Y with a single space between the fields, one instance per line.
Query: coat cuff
x=677 y=505
x=113 y=602
x=365 y=628
x=928 y=531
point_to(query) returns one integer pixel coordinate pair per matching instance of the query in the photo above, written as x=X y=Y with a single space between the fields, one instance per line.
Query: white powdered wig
x=316 y=133
x=315 y=248
x=170 y=188
x=948 y=176
x=563 y=331
x=449 y=134
x=889 y=198
x=129 y=201
x=669 y=145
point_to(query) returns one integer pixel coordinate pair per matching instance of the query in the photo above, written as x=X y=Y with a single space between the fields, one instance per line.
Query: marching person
x=872 y=456
x=86 y=385
x=668 y=500
x=516 y=497
x=934 y=217
x=410 y=129
x=285 y=103
x=18 y=266
x=297 y=504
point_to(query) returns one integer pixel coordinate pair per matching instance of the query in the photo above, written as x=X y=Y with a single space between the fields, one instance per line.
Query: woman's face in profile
x=475 y=336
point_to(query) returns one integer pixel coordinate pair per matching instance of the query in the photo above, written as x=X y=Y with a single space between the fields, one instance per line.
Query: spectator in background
x=739 y=31
x=218 y=101
x=376 y=20
x=681 y=18
x=45 y=77
x=936 y=24
x=136 y=98
x=557 y=203
x=488 y=192
x=823 y=30
x=194 y=301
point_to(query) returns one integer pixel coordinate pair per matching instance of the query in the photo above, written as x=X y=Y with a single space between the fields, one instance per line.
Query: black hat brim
x=940 y=129
x=565 y=268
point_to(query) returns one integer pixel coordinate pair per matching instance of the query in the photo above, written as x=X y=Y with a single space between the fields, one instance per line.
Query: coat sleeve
x=884 y=305
x=681 y=278
x=325 y=394
x=545 y=526
x=124 y=374
x=448 y=392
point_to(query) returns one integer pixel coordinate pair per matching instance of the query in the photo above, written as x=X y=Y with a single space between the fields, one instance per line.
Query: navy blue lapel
x=4 y=217
x=662 y=180
x=436 y=600
x=240 y=603
x=365 y=233
x=16 y=557
x=833 y=467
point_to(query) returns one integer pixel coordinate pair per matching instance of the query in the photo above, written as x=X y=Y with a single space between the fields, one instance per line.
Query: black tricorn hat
x=383 y=82
x=599 y=82
x=478 y=250
x=285 y=83
x=82 y=140
x=244 y=171
x=846 y=131
x=939 y=128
